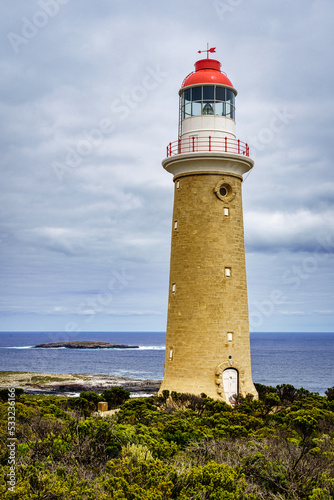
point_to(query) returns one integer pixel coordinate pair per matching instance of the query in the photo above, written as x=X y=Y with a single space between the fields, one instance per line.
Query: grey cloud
x=62 y=236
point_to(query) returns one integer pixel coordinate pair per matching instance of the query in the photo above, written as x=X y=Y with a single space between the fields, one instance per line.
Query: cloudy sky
x=89 y=101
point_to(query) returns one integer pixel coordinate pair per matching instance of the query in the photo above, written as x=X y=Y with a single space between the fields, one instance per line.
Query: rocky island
x=85 y=344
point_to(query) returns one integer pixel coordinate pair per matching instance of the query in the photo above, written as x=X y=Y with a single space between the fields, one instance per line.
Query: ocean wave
x=17 y=347
x=50 y=348
x=152 y=347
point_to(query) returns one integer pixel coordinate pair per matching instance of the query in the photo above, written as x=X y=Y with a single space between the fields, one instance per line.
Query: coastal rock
x=85 y=344
x=55 y=383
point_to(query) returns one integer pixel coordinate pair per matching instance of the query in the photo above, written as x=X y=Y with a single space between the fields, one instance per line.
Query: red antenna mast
x=213 y=49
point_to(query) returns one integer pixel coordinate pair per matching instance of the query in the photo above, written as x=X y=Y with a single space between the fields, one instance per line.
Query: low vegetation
x=174 y=447
x=9 y=378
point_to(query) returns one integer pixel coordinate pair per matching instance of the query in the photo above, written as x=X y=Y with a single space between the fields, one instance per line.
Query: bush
x=138 y=411
x=330 y=393
x=91 y=396
x=4 y=394
x=115 y=397
x=262 y=390
x=82 y=405
x=192 y=448
x=213 y=482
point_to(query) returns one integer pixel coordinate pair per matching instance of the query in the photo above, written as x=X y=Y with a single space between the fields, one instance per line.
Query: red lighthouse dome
x=207 y=71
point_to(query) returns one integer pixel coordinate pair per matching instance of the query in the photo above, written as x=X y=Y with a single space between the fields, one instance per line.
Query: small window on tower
x=227 y=272
x=223 y=191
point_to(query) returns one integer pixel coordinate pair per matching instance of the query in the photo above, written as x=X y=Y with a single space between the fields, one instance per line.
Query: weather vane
x=213 y=49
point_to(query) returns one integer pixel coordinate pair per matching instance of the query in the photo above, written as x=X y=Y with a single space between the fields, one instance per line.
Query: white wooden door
x=230 y=382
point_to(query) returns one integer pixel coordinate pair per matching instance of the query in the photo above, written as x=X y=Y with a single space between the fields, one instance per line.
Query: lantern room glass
x=208 y=100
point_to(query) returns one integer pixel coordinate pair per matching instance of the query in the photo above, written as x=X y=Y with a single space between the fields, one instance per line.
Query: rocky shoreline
x=74 y=383
x=84 y=344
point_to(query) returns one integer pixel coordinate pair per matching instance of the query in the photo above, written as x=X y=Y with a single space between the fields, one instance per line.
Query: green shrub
x=192 y=448
x=4 y=394
x=115 y=397
x=212 y=482
x=91 y=396
x=330 y=393
x=82 y=405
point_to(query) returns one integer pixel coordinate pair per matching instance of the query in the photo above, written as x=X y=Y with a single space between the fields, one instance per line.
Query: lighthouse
x=207 y=338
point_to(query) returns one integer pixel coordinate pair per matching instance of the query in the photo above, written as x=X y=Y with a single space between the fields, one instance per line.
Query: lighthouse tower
x=207 y=342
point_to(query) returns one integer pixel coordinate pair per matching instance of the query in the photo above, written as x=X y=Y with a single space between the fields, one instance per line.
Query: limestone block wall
x=207 y=325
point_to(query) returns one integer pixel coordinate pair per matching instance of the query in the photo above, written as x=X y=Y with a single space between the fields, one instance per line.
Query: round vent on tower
x=224 y=191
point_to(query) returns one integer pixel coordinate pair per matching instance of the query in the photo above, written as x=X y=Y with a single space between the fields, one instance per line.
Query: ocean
x=301 y=359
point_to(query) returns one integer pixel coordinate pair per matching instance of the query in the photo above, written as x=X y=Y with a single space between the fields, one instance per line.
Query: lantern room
x=207 y=112
x=207 y=102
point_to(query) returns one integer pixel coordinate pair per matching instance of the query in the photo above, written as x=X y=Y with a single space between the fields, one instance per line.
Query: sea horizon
x=146 y=331
x=302 y=359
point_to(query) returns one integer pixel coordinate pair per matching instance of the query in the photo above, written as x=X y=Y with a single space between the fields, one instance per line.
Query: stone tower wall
x=204 y=303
